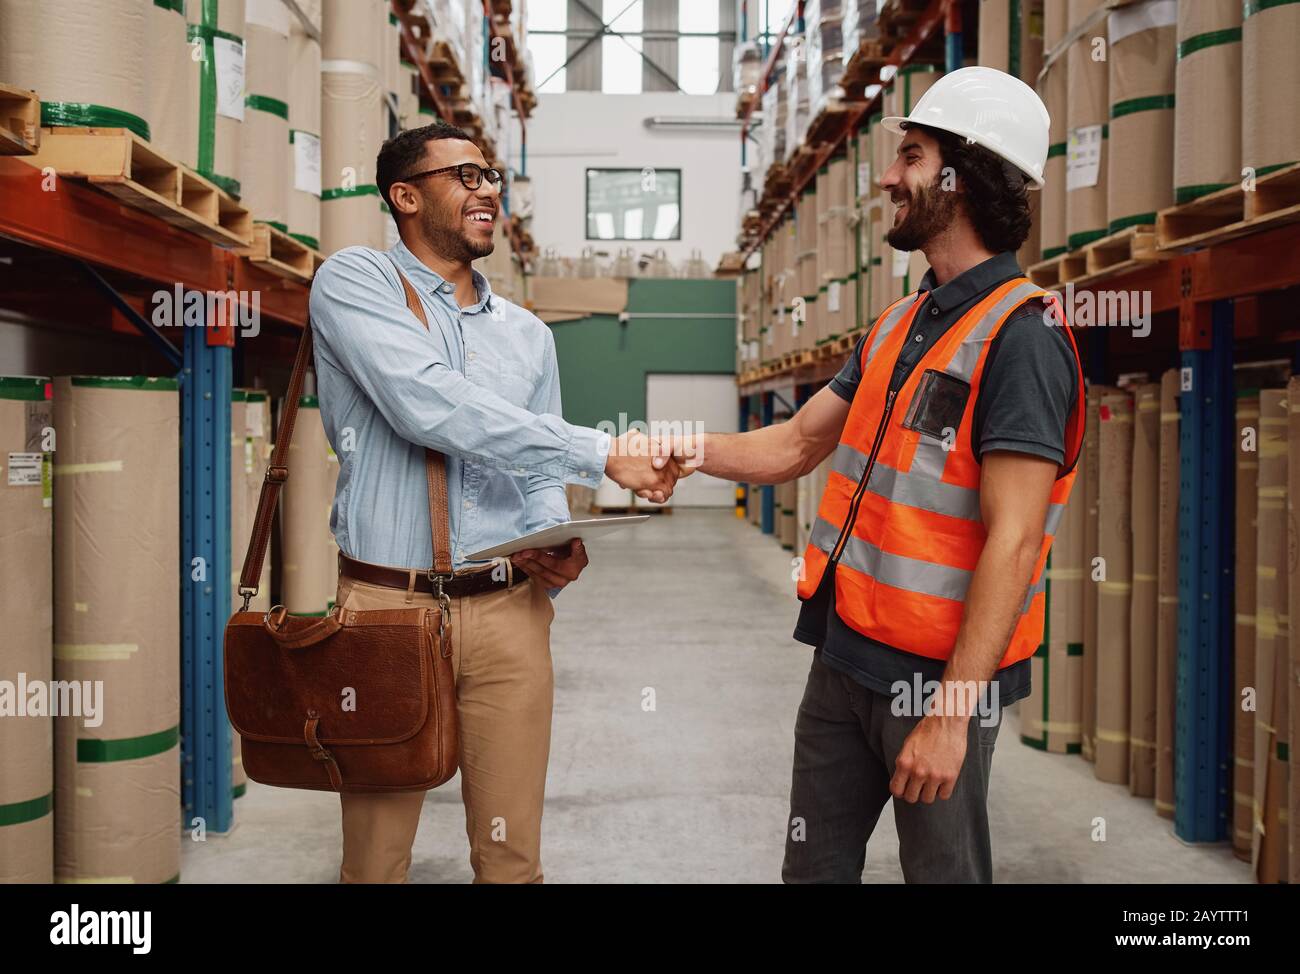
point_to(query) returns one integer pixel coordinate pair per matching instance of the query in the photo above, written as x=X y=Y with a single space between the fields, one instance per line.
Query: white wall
x=572 y=132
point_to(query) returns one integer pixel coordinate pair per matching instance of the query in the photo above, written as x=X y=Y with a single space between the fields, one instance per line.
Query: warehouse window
x=697 y=56
x=620 y=69
x=549 y=47
x=634 y=204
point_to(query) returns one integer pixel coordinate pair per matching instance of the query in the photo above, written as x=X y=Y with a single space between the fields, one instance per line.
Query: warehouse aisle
x=690 y=615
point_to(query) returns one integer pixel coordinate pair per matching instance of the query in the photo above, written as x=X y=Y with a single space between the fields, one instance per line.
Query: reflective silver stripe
x=924 y=492
x=824 y=535
x=1037 y=588
x=909 y=574
x=887 y=323
x=1054 y=514
x=849 y=461
x=968 y=353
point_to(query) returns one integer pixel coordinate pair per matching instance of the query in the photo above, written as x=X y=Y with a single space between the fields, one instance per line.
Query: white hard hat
x=992 y=109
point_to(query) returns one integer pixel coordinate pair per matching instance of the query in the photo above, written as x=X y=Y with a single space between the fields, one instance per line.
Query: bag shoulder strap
x=277 y=471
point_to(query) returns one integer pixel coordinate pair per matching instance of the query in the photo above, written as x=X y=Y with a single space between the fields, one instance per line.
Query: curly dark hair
x=400 y=155
x=996 y=192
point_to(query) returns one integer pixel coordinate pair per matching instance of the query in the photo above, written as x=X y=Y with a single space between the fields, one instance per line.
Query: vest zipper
x=856 y=502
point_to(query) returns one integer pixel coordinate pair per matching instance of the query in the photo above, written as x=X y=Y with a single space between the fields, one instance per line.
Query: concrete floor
x=699 y=606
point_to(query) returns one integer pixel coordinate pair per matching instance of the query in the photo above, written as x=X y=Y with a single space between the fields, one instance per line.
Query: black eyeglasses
x=471 y=175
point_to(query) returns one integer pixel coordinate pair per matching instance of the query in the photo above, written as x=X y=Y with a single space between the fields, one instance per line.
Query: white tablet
x=560 y=534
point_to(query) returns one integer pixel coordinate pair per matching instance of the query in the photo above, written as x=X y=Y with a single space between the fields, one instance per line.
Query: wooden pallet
x=1123 y=251
x=1232 y=212
x=20 y=121
x=828 y=124
x=275 y=251
x=443 y=64
x=1060 y=270
x=125 y=166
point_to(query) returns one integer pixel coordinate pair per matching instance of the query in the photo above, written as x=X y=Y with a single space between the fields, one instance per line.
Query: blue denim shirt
x=482 y=385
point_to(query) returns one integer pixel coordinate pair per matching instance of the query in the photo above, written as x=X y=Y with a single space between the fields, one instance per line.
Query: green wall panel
x=603 y=363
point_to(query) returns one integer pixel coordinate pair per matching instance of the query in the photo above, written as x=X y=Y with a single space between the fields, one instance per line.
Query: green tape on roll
x=265 y=103
x=1136 y=220
x=1185 y=194
x=308 y=402
x=292 y=132
x=307 y=239
x=147 y=383
x=93 y=751
x=1058 y=149
x=1251 y=7
x=255 y=396
x=1213 y=38
x=238 y=395
x=57 y=113
x=206 y=155
x=176 y=5
x=1051 y=252
x=282 y=227
x=1074 y=649
x=367 y=189
x=1148 y=103
x=1265 y=170
x=208 y=12
x=23 y=387
x=28 y=811
x=1078 y=240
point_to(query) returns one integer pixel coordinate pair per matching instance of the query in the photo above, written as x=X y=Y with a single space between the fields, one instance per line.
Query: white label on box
x=253 y=419
x=25 y=469
x=1185 y=379
x=1150 y=15
x=306 y=162
x=229 y=58
x=902 y=259
x=833 y=297
x=1083 y=157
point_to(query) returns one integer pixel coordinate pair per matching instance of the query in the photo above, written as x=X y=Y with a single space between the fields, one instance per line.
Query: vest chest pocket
x=937 y=405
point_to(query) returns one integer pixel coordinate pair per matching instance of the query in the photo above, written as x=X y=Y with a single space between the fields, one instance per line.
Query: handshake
x=652 y=466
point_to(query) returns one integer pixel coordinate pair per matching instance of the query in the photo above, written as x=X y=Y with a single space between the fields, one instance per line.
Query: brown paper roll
x=1092 y=489
x=1167 y=588
x=1207 y=104
x=1114 y=594
x=1087 y=109
x=305 y=511
x=1141 y=149
x=355 y=30
x=26 y=538
x=117 y=572
x=1145 y=521
x=173 y=128
x=1270 y=78
x=265 y=133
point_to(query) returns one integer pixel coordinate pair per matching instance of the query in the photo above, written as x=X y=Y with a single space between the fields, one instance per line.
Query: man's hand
x=630 y=464
x=930 y=760
x=556 y=567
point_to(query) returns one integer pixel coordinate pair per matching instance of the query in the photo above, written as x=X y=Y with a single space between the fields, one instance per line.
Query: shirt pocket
x=512 y=381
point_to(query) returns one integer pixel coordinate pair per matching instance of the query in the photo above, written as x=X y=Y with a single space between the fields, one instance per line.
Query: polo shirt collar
x=972 y=283
x=426 y=279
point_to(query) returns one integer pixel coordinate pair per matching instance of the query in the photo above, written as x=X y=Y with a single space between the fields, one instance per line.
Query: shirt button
x=583 y=473
x=471 y=356
x=468 y=505
x=446 y=289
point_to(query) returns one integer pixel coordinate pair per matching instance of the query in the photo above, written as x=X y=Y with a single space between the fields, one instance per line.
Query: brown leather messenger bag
x=357 y=701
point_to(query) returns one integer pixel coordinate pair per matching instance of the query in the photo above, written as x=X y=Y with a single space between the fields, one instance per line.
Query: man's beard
x=930 y=211
x=451 y=240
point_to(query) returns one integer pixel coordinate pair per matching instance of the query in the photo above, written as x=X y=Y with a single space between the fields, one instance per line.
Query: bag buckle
x=248 y=594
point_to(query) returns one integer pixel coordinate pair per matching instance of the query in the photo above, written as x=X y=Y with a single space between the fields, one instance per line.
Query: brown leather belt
x=459 y=586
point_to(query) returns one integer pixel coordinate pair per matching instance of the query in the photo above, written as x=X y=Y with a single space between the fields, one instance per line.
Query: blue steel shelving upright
x=206 y=599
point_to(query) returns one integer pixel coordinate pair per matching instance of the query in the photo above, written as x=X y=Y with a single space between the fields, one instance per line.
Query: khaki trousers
x=501 y=655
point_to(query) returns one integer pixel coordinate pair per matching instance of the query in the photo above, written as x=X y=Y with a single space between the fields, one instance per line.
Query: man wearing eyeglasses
x=482 y=386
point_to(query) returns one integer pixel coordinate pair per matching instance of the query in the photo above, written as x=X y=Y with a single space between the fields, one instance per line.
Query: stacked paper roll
x=1270 y=78
x=257 y=454
x=1114 y=593
x=217 y=89
x=26 y=739
x=90 y=63
x=117 y=577
x=173 y=127
x=1143 y=46
x=1054 y=92
x=354 y=120
x=1087 y=111
x=266 y=119
x=304 y=167
x=309 y=571
x=1207 y=104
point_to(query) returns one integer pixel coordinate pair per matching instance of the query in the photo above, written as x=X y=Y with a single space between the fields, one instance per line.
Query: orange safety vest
x=902 y=571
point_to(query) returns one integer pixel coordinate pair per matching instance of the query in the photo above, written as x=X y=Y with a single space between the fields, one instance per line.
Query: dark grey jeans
x=845 y=743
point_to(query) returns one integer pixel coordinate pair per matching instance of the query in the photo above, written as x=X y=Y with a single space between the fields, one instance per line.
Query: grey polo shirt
x=1023 y=404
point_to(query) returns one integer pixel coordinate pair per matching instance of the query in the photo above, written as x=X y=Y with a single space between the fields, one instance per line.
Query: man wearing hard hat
x=956 y=425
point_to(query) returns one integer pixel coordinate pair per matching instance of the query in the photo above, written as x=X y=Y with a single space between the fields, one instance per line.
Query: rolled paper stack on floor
x=1167 y=601
x=1144 y=518
x=1247 y=560
x=117 y=577
x=26 y=598
x=1115 y=589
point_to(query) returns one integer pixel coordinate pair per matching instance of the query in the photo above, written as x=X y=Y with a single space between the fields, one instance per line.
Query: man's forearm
x=763 y=456
x=993 y=603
